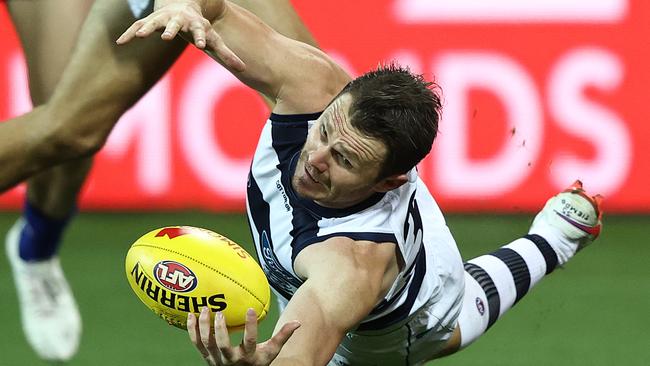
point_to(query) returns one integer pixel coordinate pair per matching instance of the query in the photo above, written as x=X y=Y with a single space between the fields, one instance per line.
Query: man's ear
x=390 y=183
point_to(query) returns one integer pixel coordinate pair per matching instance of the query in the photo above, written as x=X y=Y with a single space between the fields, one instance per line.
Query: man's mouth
x=311 y=177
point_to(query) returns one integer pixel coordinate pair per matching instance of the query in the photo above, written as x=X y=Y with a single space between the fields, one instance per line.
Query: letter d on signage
x=605 y=130
x=460 y=176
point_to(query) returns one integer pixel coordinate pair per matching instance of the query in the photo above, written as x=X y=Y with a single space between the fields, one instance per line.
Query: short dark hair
x=398 y=108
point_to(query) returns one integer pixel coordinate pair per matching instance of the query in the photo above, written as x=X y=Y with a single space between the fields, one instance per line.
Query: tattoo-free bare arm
x=344 y=281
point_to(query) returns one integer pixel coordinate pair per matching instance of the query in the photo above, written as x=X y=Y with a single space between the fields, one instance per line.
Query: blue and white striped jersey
x=282 y=224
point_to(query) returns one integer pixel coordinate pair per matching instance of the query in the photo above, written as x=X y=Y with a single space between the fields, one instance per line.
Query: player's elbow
x=80 y=134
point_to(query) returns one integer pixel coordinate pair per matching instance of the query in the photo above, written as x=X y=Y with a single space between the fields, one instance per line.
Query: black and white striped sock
x=496 y=281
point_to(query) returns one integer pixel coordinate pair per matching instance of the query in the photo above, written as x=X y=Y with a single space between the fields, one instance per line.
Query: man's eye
x=343 y=160
x=347 y=163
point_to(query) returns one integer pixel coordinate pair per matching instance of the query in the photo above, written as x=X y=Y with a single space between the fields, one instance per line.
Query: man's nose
x=318 y=158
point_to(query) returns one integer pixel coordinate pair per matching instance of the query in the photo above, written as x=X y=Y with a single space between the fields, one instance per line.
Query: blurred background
x=536 y=94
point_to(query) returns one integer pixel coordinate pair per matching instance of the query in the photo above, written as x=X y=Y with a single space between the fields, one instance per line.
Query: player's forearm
x=324 y=317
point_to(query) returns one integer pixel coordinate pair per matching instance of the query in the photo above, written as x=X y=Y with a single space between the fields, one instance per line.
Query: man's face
x=338 y=166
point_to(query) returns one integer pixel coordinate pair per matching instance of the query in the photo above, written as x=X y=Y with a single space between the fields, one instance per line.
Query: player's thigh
x=48 y=31
x=281 y=16
x=127 y=71
x=103 y=80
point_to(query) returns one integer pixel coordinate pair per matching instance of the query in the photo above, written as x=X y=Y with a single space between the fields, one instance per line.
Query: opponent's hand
x=183 y=16
x=216 y=349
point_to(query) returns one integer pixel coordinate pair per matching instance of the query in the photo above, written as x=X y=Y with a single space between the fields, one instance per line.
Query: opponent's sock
x=496 y=281
x=41 y=236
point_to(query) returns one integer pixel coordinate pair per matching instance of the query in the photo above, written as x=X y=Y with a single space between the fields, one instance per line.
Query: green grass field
x=593 y=312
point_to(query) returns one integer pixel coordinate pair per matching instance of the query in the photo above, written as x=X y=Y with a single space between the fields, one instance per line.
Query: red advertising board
x=536 y=94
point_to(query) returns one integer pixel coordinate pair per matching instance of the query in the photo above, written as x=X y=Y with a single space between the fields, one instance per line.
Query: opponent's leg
x=48 y=31
x=87 y=103
x=103 y=82
x=281 y=16
x=54 y=192
x=495 y=282
x=99 y=84
x=50 y=319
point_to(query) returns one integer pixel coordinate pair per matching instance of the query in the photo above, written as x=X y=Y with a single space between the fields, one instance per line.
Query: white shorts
x=140 y=8
x=413 y=341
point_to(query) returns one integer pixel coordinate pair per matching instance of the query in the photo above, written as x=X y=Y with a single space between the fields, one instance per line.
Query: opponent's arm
x=344 y=281
x=299 y=77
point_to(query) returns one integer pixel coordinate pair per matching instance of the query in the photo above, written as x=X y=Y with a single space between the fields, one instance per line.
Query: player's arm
x=299 y=77
x=344 y=281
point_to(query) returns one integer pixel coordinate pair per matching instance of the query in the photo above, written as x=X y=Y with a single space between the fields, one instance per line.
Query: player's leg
x=91 y=96
x=48 y=32
x=281 y=16
x=100 y=86
x=497 y=281
x=87 y=103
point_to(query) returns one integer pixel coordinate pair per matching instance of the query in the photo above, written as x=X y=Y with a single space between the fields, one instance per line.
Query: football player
x=361 y=260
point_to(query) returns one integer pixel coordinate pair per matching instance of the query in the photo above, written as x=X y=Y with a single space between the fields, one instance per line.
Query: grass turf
x=593 y=312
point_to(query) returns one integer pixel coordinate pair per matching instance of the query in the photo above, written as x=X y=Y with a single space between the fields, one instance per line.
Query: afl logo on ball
x=174 y=276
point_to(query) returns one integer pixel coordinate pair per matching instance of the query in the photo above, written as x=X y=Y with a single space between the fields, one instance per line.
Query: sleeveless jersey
x=283 y=223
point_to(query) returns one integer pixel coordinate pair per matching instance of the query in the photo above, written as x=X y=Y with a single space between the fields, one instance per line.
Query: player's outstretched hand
x=183 y=16
x=216 y=349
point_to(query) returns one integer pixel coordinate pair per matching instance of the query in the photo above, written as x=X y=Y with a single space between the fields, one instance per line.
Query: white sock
x=496 y=281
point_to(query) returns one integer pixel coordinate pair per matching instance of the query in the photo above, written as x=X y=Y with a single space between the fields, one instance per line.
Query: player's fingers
x=148 y=27
x=222 y=338
x=249 y=342
x=171 y=30
x=282 y=336
x=129 y=34
x=225 y=54
x=197 y=28
x=193 y=331
x=207 y=338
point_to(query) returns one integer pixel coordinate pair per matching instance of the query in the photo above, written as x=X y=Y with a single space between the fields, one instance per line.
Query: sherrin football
x=181 y=269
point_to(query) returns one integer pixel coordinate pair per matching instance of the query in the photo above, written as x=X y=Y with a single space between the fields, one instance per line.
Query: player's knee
x=70 y=141
x=88 y=144
x=77 y=135
x=70 y=144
